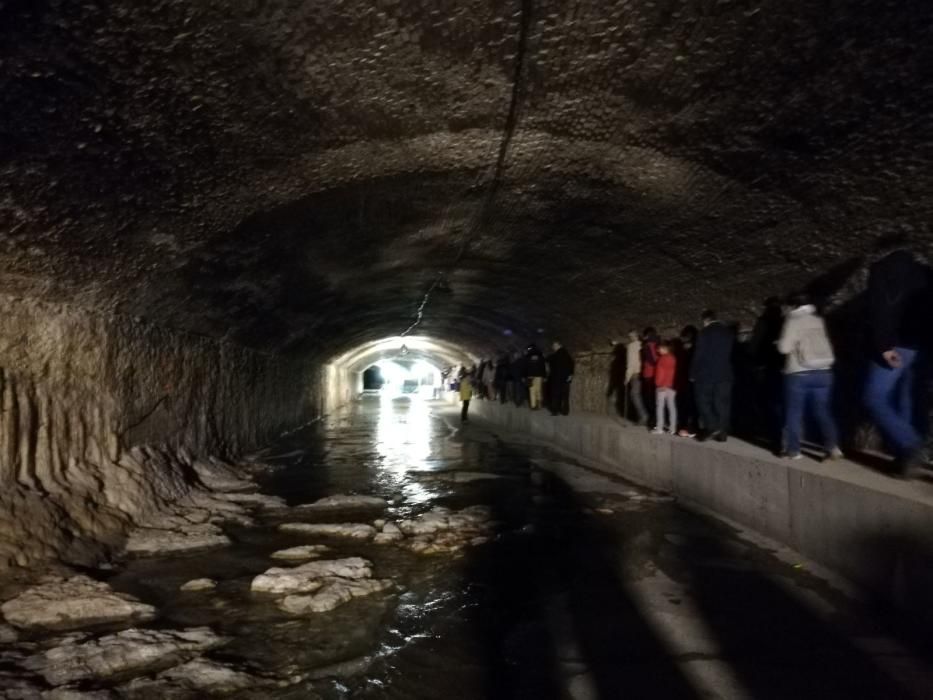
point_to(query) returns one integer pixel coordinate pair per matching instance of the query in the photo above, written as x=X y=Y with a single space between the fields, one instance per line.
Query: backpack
x=814 y=351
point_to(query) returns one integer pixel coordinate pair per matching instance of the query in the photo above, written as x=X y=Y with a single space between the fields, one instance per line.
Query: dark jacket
x=899 y=299
x=560 y=365
x=534 y=363
x=712 y=359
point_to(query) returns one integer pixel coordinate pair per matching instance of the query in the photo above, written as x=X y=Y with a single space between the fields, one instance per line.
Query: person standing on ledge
x=633 y=379
x=808 y=376
x=711 y=374
x=535 y=372
x=899 y=317
x=560 y=366
x=466 y=393
x=664 y=376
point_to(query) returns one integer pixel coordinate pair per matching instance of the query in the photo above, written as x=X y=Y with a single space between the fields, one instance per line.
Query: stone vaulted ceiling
x=295 y=174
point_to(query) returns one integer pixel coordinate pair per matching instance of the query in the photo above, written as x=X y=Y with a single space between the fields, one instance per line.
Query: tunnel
x=217 y=217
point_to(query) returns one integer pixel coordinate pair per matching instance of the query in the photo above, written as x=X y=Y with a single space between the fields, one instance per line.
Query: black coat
x=712 y=359
x=534 y=364
x=899 y=299
x=560 y=365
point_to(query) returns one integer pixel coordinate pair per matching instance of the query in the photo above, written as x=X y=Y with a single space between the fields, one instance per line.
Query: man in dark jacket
x=899 y=303
x=517 y=375
x=560 y=368
x=711 y=374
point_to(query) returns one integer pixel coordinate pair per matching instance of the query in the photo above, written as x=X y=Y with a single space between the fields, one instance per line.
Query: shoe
x=686 y=434
x=656 y=431
x=793 y=456
x=834 y=454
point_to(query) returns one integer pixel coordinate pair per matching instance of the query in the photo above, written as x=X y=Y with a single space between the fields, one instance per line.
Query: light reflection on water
x=403 y=440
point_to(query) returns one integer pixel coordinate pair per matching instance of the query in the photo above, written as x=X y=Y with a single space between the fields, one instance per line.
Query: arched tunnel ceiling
x=436 y=352
x=295 y=174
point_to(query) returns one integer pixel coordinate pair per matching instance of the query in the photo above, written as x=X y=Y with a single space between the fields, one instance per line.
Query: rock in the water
x=75 y=694
x=218 y=476
x=443 y=531
x=199 y=584
x=123 y=655
x=193 y=537
x=344 y=502
x=8 y=635
x=196 y=675
x=333 y=594
x=73 y=603
x=356 y=531
x=308 y=577
x=308 y=551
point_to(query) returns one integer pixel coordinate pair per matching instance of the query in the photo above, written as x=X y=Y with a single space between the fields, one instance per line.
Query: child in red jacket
x=664 y=375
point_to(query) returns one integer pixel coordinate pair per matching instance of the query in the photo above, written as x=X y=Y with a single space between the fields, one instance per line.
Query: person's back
x=666 y=371
x=560 y=364
x=712 y=360
x=466 y=388
x=711 y=372
x=804 y=341
x=534 y=364
x=632 y=358
x=899 y=302
x=808 y=377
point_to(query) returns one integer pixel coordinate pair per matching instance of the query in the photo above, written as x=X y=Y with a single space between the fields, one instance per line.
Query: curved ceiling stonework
x=296 y=174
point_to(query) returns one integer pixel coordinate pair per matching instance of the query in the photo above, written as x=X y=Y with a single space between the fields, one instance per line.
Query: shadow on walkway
x=553 y=606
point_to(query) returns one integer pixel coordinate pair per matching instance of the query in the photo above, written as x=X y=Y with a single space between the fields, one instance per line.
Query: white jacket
x=632 y=359
x=798 y=321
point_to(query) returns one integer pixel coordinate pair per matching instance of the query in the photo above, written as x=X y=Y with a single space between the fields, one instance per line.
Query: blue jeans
x=817 y=387
x=889 y=399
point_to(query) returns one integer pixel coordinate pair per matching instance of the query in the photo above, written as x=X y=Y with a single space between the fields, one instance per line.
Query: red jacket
x=649 y=359
x=665 y=371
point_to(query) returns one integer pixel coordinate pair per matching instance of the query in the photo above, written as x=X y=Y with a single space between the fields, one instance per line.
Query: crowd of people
x=684 y=385
x=529 y=377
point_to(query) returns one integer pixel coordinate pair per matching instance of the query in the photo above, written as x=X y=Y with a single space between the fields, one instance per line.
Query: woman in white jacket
x=808 y=376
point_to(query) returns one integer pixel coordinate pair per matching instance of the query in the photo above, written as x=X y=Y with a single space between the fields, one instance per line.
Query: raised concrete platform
x=875 y=531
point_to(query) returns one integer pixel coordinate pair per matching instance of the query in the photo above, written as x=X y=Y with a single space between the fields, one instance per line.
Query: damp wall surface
x=100 y=415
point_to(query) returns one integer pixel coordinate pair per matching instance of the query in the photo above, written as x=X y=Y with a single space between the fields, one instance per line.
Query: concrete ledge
x=873 y=530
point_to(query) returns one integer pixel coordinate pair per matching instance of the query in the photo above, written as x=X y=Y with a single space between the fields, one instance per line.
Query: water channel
x=590 y=588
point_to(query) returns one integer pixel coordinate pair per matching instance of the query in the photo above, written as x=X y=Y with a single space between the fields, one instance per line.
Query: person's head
x=649 y=334
x=688 y=335
x=633 y=336
x=798 y=299
x=556 y=345
x=708 y=316
x=664 y=347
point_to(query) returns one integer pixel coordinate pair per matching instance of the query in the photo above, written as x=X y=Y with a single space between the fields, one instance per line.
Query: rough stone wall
x=100 y=417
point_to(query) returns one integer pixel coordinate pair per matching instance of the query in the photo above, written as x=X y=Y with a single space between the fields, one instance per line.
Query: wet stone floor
x=566 y=583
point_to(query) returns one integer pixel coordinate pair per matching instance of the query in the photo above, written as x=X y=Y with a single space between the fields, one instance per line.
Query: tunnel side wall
x=100 y=416
x=875 y=532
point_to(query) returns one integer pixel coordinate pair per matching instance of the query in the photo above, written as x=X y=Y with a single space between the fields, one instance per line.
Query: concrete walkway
x=874 y=530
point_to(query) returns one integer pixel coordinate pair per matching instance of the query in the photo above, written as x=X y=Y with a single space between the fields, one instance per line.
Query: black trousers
x=714 y=402
x=558 y=396
x=465 y=410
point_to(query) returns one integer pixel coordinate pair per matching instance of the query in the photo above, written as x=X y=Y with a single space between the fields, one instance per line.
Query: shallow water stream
x=591 y=588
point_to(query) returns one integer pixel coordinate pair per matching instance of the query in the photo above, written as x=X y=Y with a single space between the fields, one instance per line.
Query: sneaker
x=657 y=431
x=835 y=453
x=793 y=456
